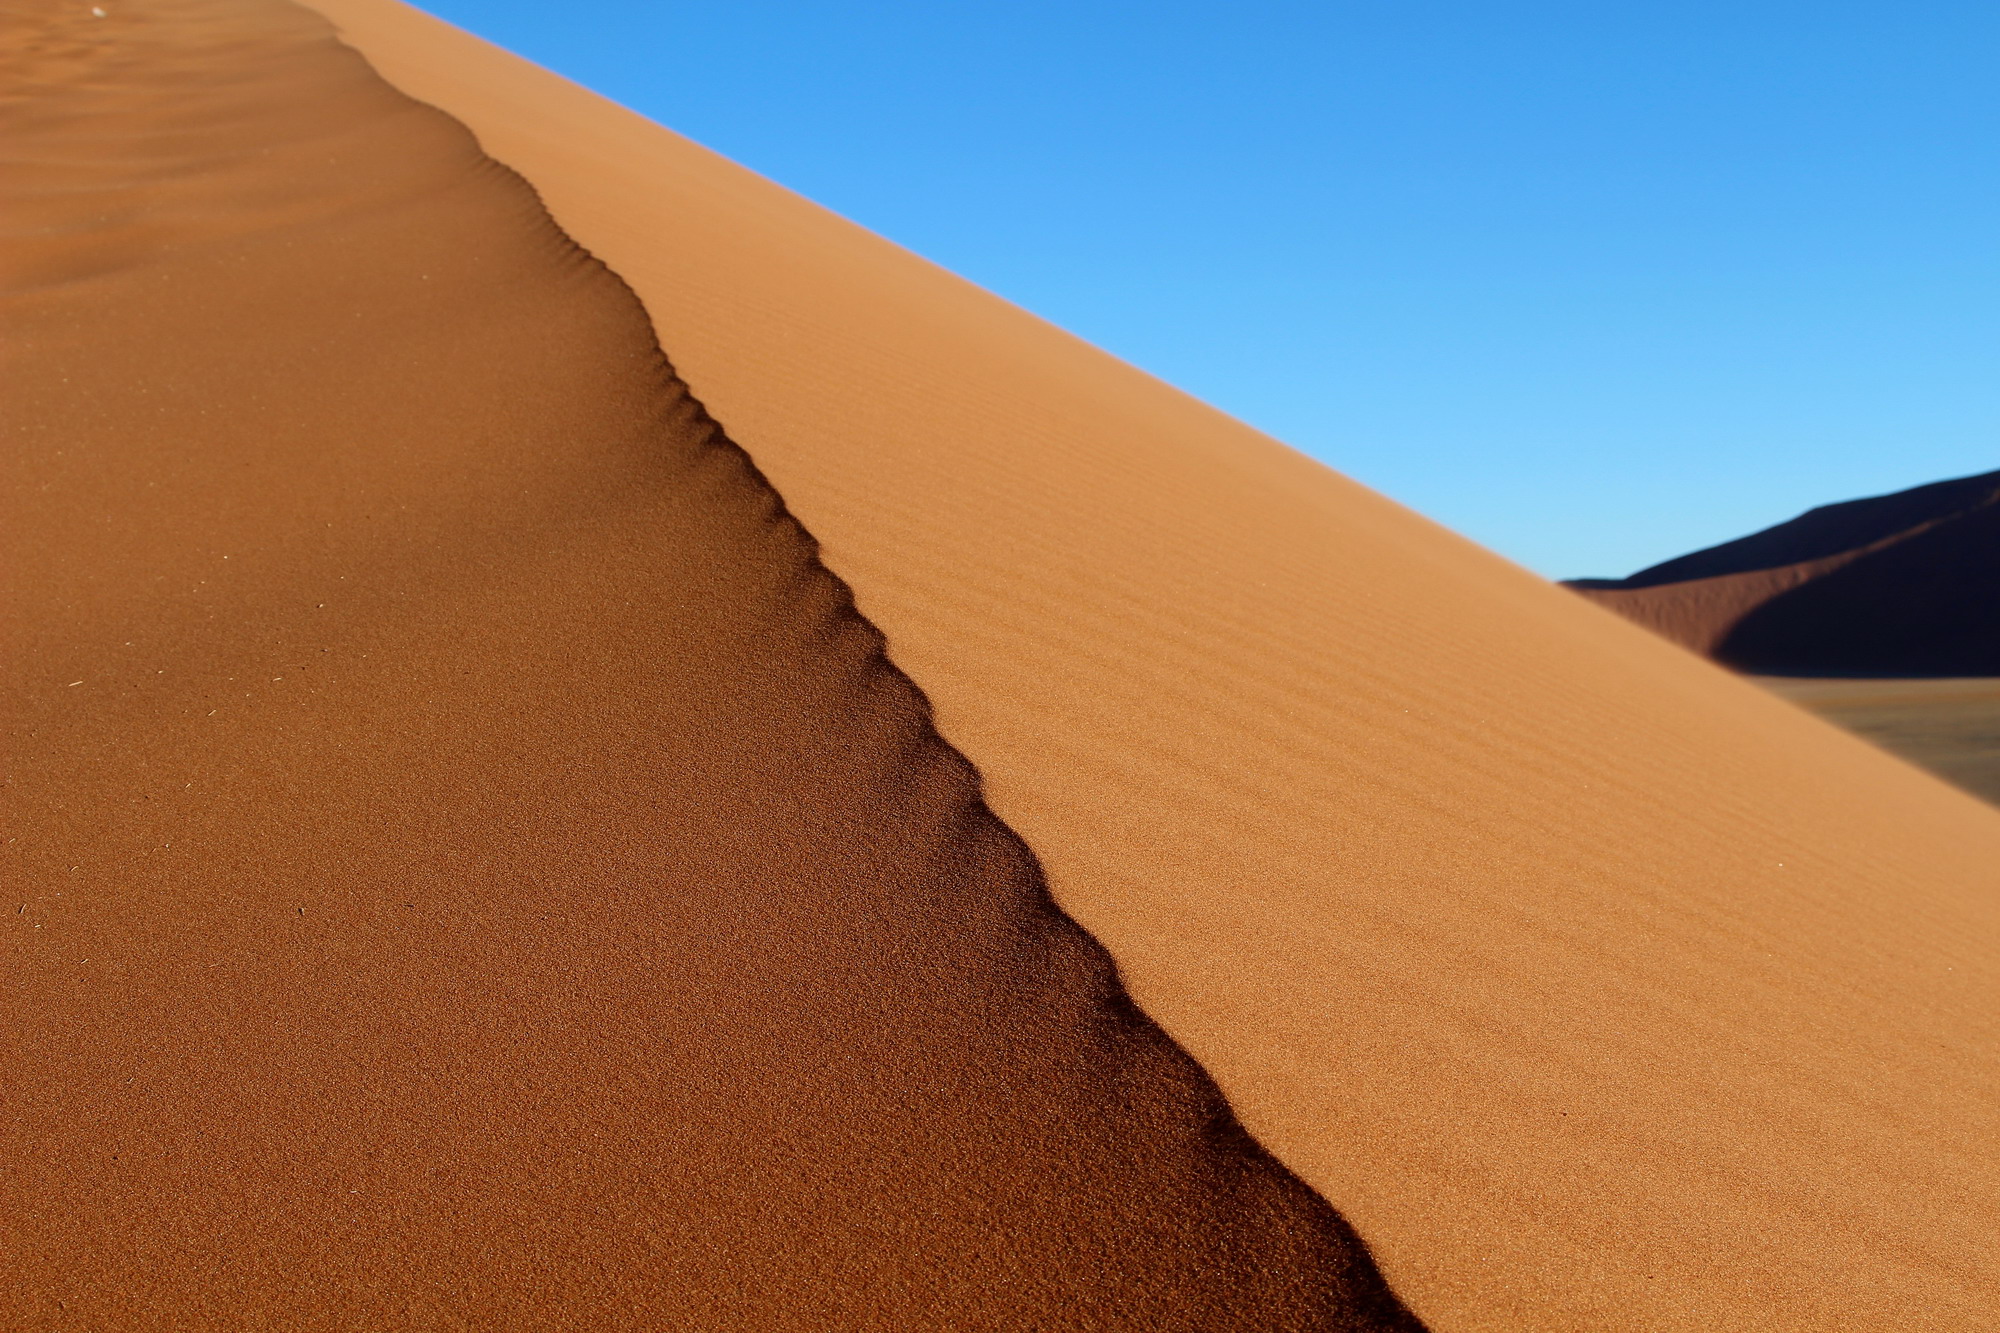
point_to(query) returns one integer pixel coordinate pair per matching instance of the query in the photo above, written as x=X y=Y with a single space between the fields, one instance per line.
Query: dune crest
x=476 y=868
x=1599 y=989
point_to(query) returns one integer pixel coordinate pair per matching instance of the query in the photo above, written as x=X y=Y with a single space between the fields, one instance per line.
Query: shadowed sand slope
x=1904 y=584
x=1598 y=988
x=474 y=867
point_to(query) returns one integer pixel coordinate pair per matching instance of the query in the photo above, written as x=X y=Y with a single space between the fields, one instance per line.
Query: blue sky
x=1594 y=284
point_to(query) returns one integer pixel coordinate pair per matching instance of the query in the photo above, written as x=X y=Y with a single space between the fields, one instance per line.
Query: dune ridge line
x=480 y=869
x=1601 y=989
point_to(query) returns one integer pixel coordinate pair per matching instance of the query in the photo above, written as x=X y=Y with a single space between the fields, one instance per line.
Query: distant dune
x=591 y=746
x=1896 y=585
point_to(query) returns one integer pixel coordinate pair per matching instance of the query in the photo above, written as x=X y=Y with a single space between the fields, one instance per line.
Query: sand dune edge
x=1601 y=989
x=482 y=871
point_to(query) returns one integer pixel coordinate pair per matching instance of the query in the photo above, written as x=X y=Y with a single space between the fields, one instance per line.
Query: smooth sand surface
x=1891 y=585
x=1598 y=988
x=1951 y=727
x=469 y=865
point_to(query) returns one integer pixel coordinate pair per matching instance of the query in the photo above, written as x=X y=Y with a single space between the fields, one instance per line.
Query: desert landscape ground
x=1950 y=727
x=591 y=745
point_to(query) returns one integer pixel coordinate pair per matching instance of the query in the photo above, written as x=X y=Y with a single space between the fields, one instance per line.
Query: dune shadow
x=1928 y=606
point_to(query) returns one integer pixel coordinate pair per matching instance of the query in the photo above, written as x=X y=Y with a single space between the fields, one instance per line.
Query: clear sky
x=1592 y=283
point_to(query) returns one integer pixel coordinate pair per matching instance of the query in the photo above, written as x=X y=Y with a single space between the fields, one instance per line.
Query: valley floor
x=1950 y=727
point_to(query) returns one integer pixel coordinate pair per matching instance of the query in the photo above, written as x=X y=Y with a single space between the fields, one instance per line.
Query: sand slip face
x=469 y=866
x=1599 y=989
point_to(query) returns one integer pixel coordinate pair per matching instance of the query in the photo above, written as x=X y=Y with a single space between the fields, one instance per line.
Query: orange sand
x=1599 y=989
x=475 y=869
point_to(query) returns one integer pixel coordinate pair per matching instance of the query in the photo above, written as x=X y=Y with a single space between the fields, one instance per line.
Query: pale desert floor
x=1951 y=727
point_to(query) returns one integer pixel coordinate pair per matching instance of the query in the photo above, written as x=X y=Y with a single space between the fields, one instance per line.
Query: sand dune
x=1902 y=584
x=476 y=870
x=1596 y=987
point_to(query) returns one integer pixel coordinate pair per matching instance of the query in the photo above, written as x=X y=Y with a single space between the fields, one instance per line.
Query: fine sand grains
x=1599 y=989
x=474 y=867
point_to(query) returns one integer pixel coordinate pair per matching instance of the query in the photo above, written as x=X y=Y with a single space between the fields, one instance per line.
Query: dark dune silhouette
x=1896 y=585
x=476 y=867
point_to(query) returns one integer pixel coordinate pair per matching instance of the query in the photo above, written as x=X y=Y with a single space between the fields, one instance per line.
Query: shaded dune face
x=1925 y=605
x=1902 y=584
x=475 y=868
x=1601 y=989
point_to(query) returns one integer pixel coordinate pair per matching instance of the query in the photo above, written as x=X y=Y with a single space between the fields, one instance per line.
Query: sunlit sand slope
x=1599 y=989
x=469 y=865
